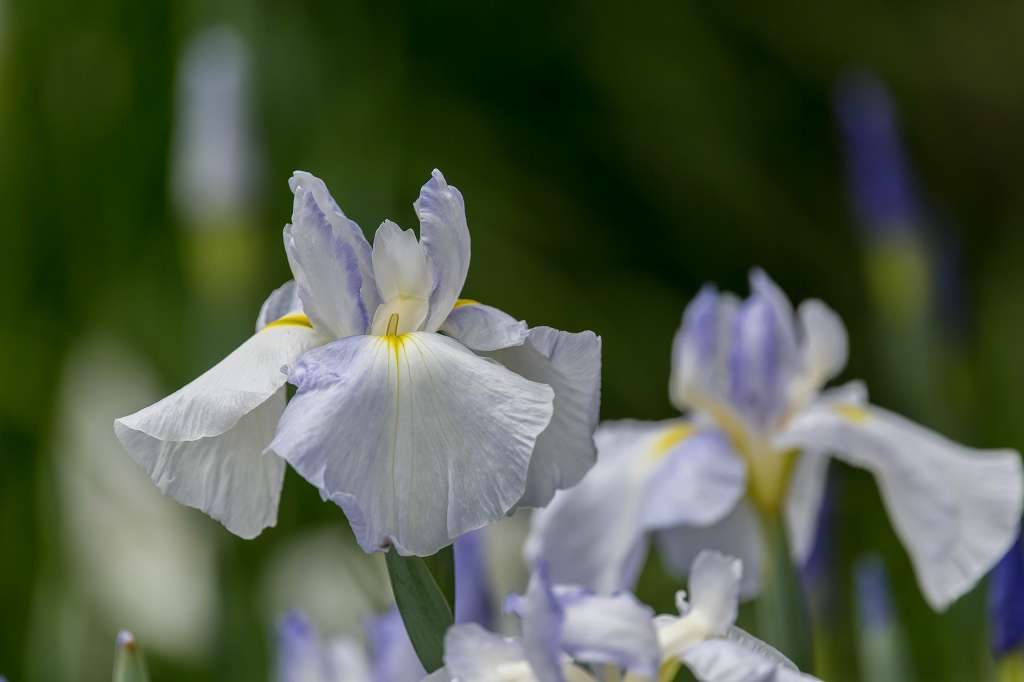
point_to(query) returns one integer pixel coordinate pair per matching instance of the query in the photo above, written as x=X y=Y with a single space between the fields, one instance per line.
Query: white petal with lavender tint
x=482 y=327
x=804 y=494
x=697 y=483
x=721 y=660
x=700 y=350
x=476 y=655
x=282 y=301
x=738 y=534
x=403 y=277
x=570 y=363
x=445 y=237
x=714 y=590
x=614 y=629
x=331 y=260
x=955 y=508
x=203 y=445
x=590 y=535
x=416 y=438
x=543 y=620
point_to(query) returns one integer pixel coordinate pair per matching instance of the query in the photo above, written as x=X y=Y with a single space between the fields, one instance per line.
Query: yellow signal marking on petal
x=851 y=413
x=291 y=320
x=465 y=301
x=669 y=438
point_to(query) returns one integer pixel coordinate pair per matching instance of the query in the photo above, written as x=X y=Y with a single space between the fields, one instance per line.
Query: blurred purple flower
x=1006 y=600
x=472 y=587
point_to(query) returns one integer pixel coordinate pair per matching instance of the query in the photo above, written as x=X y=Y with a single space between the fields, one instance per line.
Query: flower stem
x=781 y=609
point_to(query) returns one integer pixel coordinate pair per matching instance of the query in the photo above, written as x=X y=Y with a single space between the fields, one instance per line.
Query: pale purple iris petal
x=299 y=650
x=331 y=260
x=472 y=586
x=543 y=620
x=757 y=362
x=484 y=328
x=445 y=237
x=392 y=658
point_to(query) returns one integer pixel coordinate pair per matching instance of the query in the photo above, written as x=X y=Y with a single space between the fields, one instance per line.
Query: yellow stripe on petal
x=465 y=301
x=291 y=320
x=851 y=413
x=672 y=436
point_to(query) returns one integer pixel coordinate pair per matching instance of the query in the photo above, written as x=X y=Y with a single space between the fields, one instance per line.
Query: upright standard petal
x=482 y=327
x=823 y=346
x=591 y=535
x=738 y=534
x=445 y=237
x=700 y=350
x=203 y=445
x=570 y=363
x=415 y=437
x=331 y=260
x=282 y=301
x=403 y=279
x=956 y=509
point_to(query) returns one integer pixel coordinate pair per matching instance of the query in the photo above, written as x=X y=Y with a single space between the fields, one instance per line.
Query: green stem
x=426 y=612
x=781 y=609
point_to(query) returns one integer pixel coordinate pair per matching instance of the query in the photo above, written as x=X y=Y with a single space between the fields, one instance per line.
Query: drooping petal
x=445 y=237
x=483 y=328
x=203 y=445
x=955 y=508
x=282 y=301
x=804 y=495
x=614 y=629
x=738 y=535
x=571 y=365
x=415 y=437
x=723 y=660
x=331 y=260
x=591 y=535
x=714 y=590
x=698 y=482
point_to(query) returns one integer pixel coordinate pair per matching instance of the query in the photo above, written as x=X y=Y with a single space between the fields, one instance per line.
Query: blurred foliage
x=613 y=158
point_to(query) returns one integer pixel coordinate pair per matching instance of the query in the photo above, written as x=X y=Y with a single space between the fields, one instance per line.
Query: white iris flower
x=759 y=431
x=422 y=415
x=566 y=630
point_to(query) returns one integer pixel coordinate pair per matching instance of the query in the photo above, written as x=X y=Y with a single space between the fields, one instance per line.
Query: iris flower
x=759 y=430
x=565 y=628
x=422 y=415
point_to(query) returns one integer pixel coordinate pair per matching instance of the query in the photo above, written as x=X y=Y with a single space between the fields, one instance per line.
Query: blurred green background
x=613 y=158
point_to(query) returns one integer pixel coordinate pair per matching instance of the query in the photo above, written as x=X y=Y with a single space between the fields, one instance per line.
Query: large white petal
x=955 y=508
x=804 y=495
x=203 y=445
x=445 y=237
x=415 y=437
x=331 y=260
x=482 y=327
x=591 y=535
x=570 y=363
x=738 y=535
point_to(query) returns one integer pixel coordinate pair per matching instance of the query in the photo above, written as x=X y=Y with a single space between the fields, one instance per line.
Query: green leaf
x=442 y=568
x=129 y=665
x=425 y=611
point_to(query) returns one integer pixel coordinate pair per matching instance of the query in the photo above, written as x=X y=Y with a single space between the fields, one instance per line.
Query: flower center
x=408 y=313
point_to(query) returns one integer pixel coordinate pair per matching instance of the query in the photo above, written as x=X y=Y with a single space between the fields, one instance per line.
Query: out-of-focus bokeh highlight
x=612 y=159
